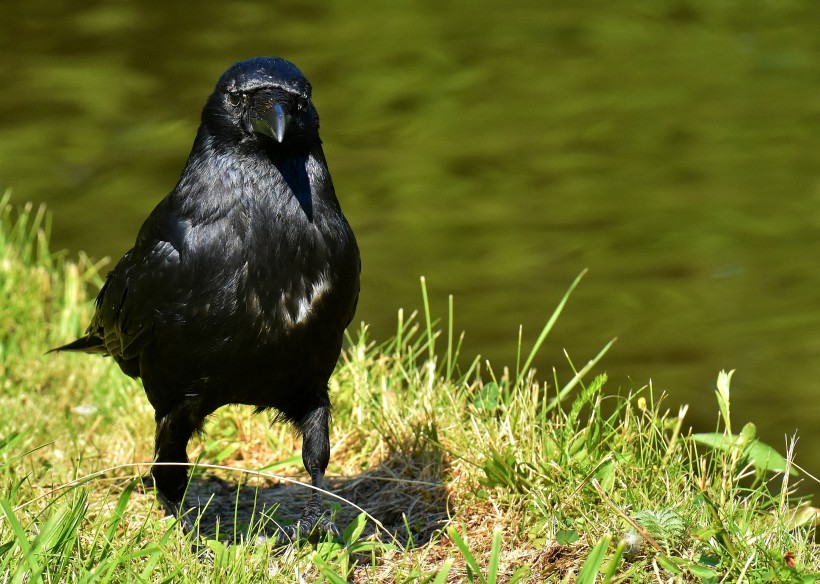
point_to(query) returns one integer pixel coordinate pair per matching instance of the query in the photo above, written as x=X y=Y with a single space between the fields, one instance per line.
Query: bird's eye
x=234 y=98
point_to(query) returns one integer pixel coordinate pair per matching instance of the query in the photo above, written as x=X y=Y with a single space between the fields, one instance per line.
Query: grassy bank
x=441 y=474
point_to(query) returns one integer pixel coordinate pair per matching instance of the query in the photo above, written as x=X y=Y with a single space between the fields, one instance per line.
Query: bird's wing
x=128 y=302
x=138 y=288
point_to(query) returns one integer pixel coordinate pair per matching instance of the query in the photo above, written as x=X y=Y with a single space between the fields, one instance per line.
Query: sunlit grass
x=441 y=473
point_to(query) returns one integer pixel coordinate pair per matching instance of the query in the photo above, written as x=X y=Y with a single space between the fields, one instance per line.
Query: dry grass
x=462 y=474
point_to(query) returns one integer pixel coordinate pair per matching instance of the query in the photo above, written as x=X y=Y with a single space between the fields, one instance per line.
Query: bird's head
x=262 y=102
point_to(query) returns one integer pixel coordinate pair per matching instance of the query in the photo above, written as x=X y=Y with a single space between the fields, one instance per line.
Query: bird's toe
x=307 y=528
x=145 y=483
x=328 y=527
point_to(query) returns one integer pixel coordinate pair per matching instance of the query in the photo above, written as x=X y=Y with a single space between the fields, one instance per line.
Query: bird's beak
x=272 y=122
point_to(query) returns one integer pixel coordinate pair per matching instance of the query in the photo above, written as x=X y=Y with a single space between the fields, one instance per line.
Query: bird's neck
x=266 y=176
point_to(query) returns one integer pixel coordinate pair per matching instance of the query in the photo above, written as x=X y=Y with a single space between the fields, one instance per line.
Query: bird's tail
x=86 y=344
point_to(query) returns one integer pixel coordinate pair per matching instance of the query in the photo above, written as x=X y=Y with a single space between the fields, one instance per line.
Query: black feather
x=241 y=281
x=83 y=345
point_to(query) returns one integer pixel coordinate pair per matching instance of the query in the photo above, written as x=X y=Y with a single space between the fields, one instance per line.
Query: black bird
x=241 y=282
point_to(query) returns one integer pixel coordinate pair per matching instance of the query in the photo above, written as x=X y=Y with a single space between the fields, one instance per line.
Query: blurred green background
x=670 y=146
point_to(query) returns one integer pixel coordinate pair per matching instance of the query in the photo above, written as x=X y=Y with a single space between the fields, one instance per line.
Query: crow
x=241 y=281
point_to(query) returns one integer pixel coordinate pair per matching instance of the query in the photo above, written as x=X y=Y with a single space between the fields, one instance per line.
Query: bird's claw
x=307 y=527
x=327 y=526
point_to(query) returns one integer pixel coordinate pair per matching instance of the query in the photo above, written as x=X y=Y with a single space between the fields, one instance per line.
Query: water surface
x=670 y=146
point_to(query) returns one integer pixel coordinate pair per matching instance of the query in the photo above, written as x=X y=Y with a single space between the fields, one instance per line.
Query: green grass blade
x=20 y=535
x=327 y=571
x=546 y=330
x=495 y=554
x=593 y=562
x=614 y=563
x=116 y=518
x=449 y=337
x=472 y=564
x=431 y=337
x=579 y=376
x=444 y=571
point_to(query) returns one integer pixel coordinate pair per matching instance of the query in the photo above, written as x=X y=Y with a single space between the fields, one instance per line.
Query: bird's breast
x=267 y=270
x=294 y=281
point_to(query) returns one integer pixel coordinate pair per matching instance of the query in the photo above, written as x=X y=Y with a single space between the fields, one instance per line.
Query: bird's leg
x=174 y=429
x=315 y=457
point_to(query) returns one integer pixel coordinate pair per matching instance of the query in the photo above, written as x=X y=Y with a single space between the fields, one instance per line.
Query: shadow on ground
x=403 y=493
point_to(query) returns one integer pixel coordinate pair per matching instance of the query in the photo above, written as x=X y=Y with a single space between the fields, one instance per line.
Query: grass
x=441 y=474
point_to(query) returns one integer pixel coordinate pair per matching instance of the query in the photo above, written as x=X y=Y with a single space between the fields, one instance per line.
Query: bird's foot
x=145 y=483
x=311 y=526
x=187 y=519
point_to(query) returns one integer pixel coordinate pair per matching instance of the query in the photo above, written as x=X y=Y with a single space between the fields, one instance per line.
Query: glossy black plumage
x=241 y=281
